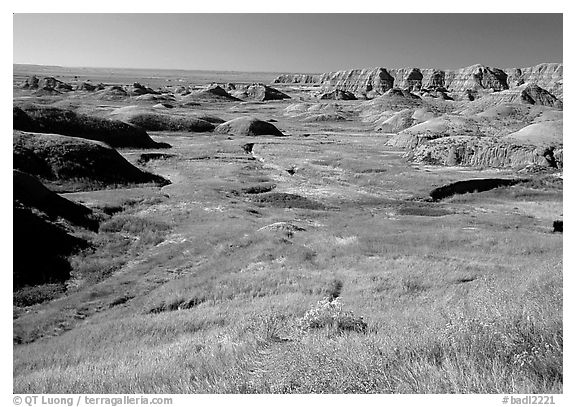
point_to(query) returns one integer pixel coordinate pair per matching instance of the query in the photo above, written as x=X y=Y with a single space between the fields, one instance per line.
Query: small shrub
x=330 y=314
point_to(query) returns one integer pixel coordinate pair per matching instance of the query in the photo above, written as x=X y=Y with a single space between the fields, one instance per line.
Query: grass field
x=201 y=288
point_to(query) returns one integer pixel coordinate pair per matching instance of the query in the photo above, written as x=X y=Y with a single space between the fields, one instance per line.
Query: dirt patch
x=285 y=200
x=285 y=228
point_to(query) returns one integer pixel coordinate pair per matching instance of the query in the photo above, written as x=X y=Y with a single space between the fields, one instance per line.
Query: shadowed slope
x=31 y=193
x=74 y=164
x=41 y=222
x=40 y=248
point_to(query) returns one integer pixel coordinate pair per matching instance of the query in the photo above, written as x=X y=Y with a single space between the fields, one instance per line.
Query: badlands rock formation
x=297 y=78
x=373 y=82
x=211 y=93
x=47 y=83
x=317 y=112
x=548 y=76
x=137 y=89
x=113 y=93
x=483 y=152
x=507 y=135
x=258 y=92
x=85 y=86
x=338 y=94
x=475 y=116
x=529 y=94
x=547 y=133
x=505 y=116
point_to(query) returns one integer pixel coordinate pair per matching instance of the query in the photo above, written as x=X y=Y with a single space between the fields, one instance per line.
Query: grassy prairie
x=215 y=294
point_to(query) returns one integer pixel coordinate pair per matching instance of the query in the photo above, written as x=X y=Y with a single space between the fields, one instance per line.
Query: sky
x=287 y=42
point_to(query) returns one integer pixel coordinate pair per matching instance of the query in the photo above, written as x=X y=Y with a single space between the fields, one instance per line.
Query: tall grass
x=119 y=239
x=500 y=340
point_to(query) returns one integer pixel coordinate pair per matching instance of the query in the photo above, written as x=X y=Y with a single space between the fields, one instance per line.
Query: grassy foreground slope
x=464 y=295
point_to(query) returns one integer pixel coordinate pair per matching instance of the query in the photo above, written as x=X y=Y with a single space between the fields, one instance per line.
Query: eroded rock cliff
x=484 y=152
x=377 y=81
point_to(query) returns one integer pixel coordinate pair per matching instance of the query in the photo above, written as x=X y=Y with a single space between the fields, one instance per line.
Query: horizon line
x=159 y=69
x=285 y=72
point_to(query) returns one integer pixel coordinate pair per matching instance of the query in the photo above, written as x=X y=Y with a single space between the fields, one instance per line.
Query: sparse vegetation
x=120 y=239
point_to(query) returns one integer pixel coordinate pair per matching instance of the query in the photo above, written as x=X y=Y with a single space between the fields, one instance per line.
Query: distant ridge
x=378 y=80
x=41 y=68
x=149 y=77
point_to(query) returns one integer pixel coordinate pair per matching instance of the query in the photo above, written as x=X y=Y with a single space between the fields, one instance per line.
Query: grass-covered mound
x=157 y=121
x=211 y=93
x=248 y=126
x=74 y=164
x=47 y=119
